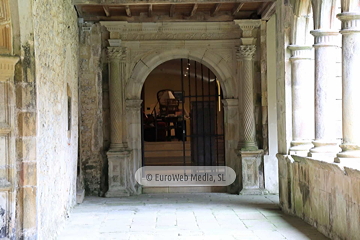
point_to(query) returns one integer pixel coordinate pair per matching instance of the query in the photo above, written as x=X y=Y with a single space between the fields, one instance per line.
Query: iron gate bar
x=210 y=110
x=182 y=105
x=216 y=125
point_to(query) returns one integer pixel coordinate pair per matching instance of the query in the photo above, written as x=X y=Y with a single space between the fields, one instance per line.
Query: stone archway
x=138 y=48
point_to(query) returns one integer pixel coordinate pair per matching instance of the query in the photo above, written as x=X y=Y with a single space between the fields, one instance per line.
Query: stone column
x=118 y=154
x=246 y=53
x=231 y=130
x=325 y=144
x=350 y=84
x=251 y=157
x=116 y=96
x=302 y=87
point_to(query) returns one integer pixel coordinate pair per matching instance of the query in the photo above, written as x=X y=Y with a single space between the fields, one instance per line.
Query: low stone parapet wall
x=324 y=194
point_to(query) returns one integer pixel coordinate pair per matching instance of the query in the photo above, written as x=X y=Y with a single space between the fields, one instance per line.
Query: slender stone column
x=350 y=85
x=302 y=74
x=325 y=144
x=247 y=53
x=118 y=154
x=116 y=94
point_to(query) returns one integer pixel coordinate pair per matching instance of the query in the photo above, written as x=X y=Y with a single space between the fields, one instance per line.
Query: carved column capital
x=133 y=104
x=246 y=51
x=324 y=38
x=350 y=22
x=116 y=53
x=248 y=27
x=300 y=52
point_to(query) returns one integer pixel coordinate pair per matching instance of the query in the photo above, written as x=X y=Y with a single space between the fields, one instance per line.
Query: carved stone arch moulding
x=216 y=63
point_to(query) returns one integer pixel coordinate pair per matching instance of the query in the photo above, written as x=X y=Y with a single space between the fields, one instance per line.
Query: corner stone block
x=29 y=203
x=27 y=124
x=26 y=148
x=29 y=173
x=25 y=96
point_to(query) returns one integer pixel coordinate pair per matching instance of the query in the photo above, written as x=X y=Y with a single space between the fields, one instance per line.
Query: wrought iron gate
x=200 y=126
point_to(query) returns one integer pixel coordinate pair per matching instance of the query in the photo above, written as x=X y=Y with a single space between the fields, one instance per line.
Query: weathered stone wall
x=326 y=195
x=93 y=128
x=56 y=62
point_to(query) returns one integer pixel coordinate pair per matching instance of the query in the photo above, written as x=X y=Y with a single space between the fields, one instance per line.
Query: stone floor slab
x=189 y=216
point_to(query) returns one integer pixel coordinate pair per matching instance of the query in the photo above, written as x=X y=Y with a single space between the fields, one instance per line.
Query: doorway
x=182 y=116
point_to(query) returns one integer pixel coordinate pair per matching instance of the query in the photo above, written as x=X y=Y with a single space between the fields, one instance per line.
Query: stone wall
x=94 y=110
x=56 y=62
x=326 y=195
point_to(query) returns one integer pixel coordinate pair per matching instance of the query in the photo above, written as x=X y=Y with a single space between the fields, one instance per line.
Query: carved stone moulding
x=172 y=31
x=7 y=67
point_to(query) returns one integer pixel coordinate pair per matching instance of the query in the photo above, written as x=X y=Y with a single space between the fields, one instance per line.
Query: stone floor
x=185 y=216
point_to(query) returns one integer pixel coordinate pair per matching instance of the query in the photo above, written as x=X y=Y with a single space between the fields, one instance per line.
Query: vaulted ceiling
x=173 y=10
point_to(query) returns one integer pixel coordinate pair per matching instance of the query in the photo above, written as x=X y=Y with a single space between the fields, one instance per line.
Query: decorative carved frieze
x=172 y=31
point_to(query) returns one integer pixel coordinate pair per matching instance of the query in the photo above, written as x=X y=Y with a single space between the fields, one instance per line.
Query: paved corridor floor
x=185 y=216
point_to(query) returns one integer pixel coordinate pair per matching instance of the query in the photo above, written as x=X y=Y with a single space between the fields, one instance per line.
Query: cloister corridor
x=185 y=216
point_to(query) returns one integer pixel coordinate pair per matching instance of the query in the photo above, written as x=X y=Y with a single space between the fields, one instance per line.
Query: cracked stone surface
x=185 y=216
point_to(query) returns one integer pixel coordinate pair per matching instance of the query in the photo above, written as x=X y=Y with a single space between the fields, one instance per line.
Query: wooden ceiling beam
x=193 y=11
x=262 y=8
x=172 y=10
x=268 y=11
x=237 y=9
x=128 y=11
x=137 y=2
x=216 y=9
x=107 y=11
x=150 y=10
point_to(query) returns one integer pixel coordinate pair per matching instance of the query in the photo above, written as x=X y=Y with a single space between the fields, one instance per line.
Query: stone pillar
x=251 y=157
x=118 y=154
x=116 y=96
x=350 y=84
x=231 y=130
x=302 y=88
x=247 y=52
x=325 y=144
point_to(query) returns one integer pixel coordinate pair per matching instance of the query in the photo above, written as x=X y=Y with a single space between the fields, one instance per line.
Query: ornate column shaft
x=246 y=53
x=302 y=74
x=350 y=85
x=325 y=144
x=118 y=154
x=116 y=95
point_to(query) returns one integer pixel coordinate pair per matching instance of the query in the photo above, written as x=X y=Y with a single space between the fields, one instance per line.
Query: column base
x=249 y=146
x=300 y=148
x=118 y=173
x=119 y=147
x=252 y=175
x=349 y=151
x=324 y=149
x=255 y=191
